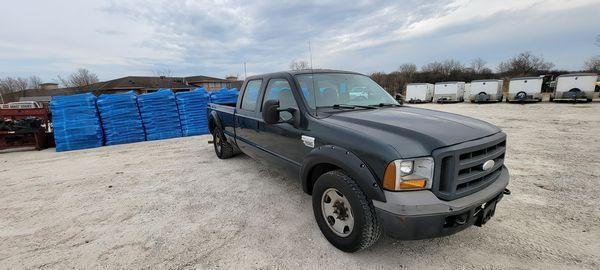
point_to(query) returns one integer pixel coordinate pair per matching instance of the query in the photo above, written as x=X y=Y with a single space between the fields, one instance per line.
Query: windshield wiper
x=386 y=105
x=347 y=106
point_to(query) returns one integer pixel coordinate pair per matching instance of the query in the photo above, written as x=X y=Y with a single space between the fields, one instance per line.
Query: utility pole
x=310 y=53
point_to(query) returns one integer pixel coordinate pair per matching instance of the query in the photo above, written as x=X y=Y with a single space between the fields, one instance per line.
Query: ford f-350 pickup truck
x=370 y=164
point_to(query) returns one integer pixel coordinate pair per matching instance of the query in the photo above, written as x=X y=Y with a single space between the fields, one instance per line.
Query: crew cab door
x=282 y=140
x=246 y=118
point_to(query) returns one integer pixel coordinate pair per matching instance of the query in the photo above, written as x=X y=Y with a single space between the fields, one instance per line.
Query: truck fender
x=214 y=118
x=347 y=161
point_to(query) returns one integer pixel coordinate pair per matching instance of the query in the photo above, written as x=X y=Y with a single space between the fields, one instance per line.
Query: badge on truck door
x=308 y=141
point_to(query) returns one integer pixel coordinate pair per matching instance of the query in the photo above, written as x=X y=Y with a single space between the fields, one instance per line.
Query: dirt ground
x=173 y=204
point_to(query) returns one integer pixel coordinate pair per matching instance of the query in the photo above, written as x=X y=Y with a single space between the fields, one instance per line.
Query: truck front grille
x=459 y=168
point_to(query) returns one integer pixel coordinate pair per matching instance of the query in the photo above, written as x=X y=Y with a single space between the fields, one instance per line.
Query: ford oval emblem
x=488 y=165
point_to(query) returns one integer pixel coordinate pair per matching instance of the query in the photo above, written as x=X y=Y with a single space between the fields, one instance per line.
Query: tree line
x=81 y=77
x=523 y=64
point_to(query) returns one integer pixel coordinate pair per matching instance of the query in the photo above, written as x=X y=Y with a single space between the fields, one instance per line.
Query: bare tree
x=478 y=66
x=446 y=69
x=34 y=82
x=10 y=84
x=408 y=69
x=524 y=64
x=167 y=72
x=592 y=64
x=299 y=65
x=82 y=77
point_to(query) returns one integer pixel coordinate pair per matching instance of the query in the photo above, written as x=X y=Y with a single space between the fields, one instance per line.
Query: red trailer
x=24 y=124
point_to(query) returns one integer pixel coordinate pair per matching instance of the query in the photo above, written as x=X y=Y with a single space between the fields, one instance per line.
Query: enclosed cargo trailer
x=419 y=92
x=575 y=87
x=525 y=89
x=449 y=92
x=486 y=90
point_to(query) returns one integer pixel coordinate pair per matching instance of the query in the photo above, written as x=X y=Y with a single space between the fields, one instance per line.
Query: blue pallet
x=159 y=115
x=121 y=120
x=192 y=111
x=75 y=122
x=224 y=96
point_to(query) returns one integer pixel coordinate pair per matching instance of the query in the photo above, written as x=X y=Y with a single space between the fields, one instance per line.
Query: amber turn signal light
x=389 y=177
x=412 y=184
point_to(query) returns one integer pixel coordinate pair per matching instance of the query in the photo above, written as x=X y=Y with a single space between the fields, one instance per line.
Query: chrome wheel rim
x=337 y=212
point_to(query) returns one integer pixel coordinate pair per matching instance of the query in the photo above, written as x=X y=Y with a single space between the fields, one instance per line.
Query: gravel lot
x=173 y=204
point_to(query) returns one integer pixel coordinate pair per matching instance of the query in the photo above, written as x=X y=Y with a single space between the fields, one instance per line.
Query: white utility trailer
x=575 y=87
x=449 y=92
x=525 y=89
x=486 y=90
x=419 y=92
x=467 y=90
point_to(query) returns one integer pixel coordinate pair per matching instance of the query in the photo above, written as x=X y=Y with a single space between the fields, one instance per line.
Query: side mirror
x=271 y=113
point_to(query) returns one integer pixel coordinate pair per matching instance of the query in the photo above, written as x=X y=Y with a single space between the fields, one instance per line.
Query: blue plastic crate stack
x=159 y=115
x=75 y=122
x=120 y=118
x=192 y=111
x=224 y=96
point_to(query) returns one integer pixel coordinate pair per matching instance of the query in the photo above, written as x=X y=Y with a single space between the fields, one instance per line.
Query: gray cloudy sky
x=135 y=37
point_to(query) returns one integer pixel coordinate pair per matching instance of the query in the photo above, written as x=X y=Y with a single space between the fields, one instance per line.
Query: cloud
x=119 y=38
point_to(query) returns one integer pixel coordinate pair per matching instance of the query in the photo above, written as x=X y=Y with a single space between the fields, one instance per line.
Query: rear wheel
x=223 y=149
x=343 y=212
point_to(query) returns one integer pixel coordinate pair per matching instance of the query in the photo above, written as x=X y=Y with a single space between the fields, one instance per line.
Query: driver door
x=282 y=140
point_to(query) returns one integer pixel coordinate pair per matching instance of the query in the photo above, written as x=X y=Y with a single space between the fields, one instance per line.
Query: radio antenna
x=312 y=76
x=245 y=76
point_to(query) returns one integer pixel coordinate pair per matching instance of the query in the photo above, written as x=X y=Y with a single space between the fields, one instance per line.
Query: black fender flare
x=214 y=117
x=347 y=161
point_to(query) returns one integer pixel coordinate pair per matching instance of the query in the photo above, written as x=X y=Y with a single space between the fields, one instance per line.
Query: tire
x=223 y=149
x=365 y=230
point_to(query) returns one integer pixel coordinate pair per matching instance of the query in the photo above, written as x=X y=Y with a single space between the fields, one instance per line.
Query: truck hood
x=413 y=131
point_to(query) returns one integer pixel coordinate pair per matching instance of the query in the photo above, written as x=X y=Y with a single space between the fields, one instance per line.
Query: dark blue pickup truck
x=370 y=164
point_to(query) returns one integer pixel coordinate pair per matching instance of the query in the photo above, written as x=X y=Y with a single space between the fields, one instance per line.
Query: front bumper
x=420 y=214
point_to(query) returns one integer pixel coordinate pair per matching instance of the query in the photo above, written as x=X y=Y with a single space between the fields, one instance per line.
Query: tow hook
x=210 y=142
x=506 y=191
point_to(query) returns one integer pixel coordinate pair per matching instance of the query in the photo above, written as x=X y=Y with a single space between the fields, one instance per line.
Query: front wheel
x=343 y=212
x=223 y=149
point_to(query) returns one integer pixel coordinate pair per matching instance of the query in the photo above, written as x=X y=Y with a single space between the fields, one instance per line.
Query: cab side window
x=251 y=95
x=280 y=89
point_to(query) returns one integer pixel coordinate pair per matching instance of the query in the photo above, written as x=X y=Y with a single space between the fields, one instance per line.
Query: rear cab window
x=250 y=97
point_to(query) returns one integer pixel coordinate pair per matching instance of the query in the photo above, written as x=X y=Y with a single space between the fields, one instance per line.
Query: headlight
x=409 y=174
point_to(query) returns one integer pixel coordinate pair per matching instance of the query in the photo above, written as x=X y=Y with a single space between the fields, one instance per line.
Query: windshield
x=334 y=89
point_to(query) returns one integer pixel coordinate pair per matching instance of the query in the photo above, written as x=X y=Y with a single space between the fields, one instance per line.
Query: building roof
x=201 y=79
x=142 y=82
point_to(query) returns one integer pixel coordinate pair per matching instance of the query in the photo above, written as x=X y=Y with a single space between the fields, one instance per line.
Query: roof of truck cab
x=303 y=71
x=578 y=74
